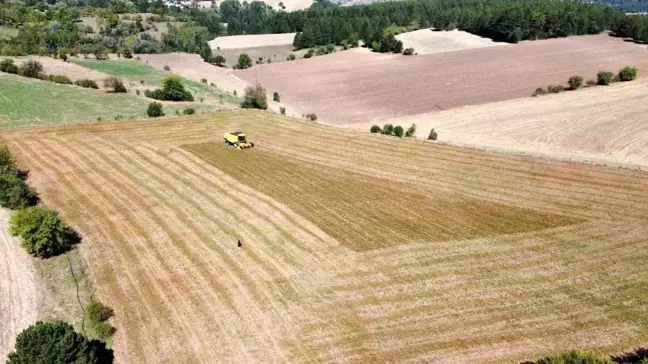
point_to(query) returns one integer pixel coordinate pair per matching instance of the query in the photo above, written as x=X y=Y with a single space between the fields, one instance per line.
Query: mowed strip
x=353 y=86
x=160 y=227
x=366 y=213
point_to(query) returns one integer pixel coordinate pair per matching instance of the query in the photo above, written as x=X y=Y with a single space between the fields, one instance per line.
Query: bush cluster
x=172 y=90
x=14 y=191
x=397 y=131
x=7 y=65
x=408 y=51
x=84 y=82
x=97 y=315
x=603 y=78
x=60 y=79
x=114 y=84
x=154 y=110
x=42 y=231
x=255 y=98
x=311 y=117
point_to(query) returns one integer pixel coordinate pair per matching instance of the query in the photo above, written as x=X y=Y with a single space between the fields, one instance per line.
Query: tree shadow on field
x=634 y=357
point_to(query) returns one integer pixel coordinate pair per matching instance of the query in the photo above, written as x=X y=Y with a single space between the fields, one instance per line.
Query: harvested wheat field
x=601 y=125
x=18 y=293
x=57 y=67
x=356 y=247
x=426 y=41
x=252 y=40
x=354 y=87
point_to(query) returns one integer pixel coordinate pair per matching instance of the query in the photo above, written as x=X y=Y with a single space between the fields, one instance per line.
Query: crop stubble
x=160 y=227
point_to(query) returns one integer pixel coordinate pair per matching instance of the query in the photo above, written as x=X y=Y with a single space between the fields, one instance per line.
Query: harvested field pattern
x=352 y=87
x=252 y=40
x=491 y=258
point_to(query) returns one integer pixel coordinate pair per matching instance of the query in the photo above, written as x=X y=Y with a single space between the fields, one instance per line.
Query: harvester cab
x=237 y=140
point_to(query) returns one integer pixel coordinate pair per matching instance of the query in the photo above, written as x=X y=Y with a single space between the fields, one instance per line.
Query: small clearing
x=18 y=288
x=53 y=66
x=252 y=40
x=426 y=41
x=607 y=125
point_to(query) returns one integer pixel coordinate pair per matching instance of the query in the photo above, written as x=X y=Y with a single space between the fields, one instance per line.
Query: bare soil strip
x=499 y=258
x=18 y=288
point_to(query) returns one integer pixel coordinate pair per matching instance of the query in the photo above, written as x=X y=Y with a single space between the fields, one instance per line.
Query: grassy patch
x=6 y=33
x=138 y=71
x=27 y=102
x=365 y=213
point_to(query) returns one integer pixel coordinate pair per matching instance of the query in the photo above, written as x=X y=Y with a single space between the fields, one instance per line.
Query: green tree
x=399 y=131
x=115 y=85
x=433 y=135
x=604 y=78
x=408 y=51
x=388 y=129
x=575 y=82
x=174 y=90
x=43 y=232
x=7 y=65
x=375 y=129
x=154 y=110
x=628 y=73
x=244 y=61
x=255 y=98
x=14 y=192
x=410 y=131
x=57 y=343
x=219 y=60
x=276 y=97
x=7 y=161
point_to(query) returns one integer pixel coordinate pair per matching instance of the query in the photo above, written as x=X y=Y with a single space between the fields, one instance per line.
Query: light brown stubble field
x=352 y=87
x=356 y=247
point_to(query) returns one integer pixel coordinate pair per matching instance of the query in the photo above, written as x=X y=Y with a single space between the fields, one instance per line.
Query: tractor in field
x=237 y=140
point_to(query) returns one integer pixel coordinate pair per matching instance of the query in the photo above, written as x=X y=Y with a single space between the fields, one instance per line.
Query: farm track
x=160 y=210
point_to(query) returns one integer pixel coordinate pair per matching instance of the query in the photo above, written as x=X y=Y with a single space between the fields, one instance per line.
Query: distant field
x=252 y=40
x=138 y=71
x=26 y=102
x=426 y=41
x=352 y=87
x=606 y=125
x=278 y=53
x=356 y=247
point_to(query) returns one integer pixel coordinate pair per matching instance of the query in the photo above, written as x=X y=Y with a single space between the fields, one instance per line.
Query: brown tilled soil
x=356 y=247
x=352 y=87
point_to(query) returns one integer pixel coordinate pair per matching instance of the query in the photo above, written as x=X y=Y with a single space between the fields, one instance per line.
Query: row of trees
x=603 y=78
x=398 y=131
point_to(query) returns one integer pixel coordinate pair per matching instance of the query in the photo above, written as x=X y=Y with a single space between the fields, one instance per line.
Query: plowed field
x=356 y=247
x=352 y=87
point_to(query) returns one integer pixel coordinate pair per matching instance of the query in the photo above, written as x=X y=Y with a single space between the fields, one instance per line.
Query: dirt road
x=18 y=293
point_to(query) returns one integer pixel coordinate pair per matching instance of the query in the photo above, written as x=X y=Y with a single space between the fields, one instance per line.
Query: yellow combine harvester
x=237 y=140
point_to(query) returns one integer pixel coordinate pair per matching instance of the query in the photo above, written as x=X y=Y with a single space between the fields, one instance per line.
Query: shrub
x=167 y=68
x=97 y=311
x=43 y=232
x=255 y=98
x=57 y=342
x=604 y=78
x=14 y=192
x=137 y=92
x=114 y=84
x=291 y=57
x=275 y=97
x=84 y=82
x=30 y=69
x=127 y=53
x=219 y=60
x=61 y=79
x=576 y=357
x=174 y=90
x=388 y=129
x=408 y=51
x=555 y=89
x=628 y=73
x=282 y=110
x=575 y=82
x=375 y=129
x=157 y=94
x=310 y=53
x=539 y=92
x=154 y=110
x=8 y=66
x=189 y=111
x=616 y=78
x=7 y=161
x=203 y=80
x=591 y=83
x=410 y=131
x=433 y=135
x=311 y=117
x=398 y=131
x=244 y=61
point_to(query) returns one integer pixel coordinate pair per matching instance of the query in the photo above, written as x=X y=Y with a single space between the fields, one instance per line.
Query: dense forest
x=627 y=6
x=51 y=27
